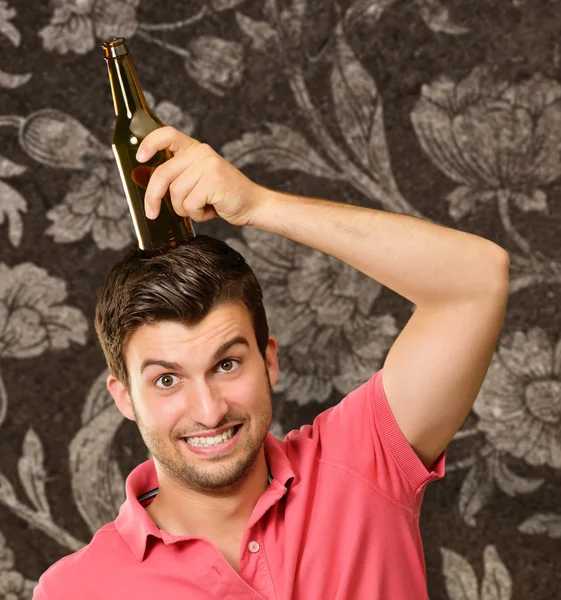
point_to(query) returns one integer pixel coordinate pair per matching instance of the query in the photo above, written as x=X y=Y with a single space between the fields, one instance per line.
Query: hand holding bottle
x=202 y=185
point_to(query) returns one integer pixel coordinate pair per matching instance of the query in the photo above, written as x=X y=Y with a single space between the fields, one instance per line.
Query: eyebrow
x=175 y=366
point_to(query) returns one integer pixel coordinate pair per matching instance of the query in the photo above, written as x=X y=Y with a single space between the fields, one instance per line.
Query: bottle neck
x=127 y=93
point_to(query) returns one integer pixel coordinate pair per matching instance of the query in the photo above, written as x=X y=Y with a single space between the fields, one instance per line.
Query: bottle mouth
x=115 y=47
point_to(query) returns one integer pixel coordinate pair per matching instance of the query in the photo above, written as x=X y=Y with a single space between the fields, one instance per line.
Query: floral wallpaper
x=442 y=109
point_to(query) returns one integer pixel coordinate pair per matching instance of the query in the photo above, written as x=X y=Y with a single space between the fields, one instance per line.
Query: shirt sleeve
x=39 y=592
x=362 y=434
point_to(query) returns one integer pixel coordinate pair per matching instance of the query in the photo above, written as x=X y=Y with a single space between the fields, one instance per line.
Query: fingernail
x=140 y=155
x=149 y=212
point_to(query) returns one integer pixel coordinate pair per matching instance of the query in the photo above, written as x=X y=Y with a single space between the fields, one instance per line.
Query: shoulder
x=82 y=570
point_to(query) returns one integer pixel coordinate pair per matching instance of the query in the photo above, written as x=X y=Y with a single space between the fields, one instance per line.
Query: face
x=186 y=381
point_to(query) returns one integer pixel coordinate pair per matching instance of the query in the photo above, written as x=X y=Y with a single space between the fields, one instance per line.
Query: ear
x=271 y=360
x=121 y=397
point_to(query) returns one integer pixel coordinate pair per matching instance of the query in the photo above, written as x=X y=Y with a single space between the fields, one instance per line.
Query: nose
x=206 y=403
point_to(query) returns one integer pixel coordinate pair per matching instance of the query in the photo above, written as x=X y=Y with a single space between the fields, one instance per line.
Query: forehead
x=170 y=340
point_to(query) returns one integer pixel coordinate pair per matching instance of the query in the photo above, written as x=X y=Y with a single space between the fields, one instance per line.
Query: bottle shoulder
x=139 y=124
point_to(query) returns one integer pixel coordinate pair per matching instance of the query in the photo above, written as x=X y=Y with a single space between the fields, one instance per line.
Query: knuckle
x=174 y=188
x=204 y=148
x=213 y=161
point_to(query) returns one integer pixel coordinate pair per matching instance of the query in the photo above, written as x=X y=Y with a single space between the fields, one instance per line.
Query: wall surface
x=443 y=109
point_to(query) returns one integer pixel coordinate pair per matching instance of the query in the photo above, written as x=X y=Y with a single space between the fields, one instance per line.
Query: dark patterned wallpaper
x=443 y=109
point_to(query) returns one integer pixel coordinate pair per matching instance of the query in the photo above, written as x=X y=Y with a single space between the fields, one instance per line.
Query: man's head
x=164 y=323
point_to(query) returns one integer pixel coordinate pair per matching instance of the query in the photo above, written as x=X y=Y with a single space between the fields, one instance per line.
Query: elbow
x=503 y=270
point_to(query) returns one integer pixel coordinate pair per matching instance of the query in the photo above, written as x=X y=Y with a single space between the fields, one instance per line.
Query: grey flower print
x=519 y=405
x=76 y=24
x=498 y=140
x=461 y=580
x=319 y=309
x=33 y=317
x=13 y=586
x=12 y=203
x=6 y=555
x=9 y=30
x=96 y=201
x=95 y=204
x=215 y=64
x=171 y=114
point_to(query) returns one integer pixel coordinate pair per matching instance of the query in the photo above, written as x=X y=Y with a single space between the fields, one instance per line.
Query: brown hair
x=182 y=285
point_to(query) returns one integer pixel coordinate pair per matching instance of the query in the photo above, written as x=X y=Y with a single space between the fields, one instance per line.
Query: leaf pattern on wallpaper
x=170 y=114
x=33 y=316
x=216 y=64
x=75 y=26
x=32 y=472
x=7 y=493
x=358 y=108
x=279 y=149
x=542 y=524
x=262 y=35
x=13 y=585
x=94 y=204
x=477 y=489
x=9 y=31
x=97 y=484
x=461 y=581
x=434 y=14
x=437 y=18
x=334 y=341
x=488 y=473
x=364 y=13
x=12 y=203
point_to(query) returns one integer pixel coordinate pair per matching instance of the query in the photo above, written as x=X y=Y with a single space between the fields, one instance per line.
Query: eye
x=166 y=381
x=229 y=365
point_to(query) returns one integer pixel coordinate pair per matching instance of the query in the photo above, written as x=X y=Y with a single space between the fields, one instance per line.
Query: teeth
x=211 y=441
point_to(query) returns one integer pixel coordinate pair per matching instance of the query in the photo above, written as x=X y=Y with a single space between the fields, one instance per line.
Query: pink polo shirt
x=339 y=521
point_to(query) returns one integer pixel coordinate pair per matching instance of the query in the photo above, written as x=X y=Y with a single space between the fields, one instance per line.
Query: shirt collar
x=134 y=523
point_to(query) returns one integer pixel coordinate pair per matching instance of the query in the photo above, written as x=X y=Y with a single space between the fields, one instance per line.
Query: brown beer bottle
x=134 y=121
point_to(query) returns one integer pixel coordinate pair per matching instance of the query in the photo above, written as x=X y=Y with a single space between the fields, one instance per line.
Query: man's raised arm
x=458 y=282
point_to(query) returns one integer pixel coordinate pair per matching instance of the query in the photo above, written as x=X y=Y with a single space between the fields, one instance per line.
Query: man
x=224 y=509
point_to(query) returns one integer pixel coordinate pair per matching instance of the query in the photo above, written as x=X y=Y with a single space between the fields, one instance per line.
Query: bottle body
x=133 y=122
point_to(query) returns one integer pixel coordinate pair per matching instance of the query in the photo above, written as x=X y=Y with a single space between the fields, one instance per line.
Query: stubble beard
x=212 y=479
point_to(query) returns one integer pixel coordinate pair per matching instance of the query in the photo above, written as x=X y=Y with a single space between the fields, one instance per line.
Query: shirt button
x=253 y=547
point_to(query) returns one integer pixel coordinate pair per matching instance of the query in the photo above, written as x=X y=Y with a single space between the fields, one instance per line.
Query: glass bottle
x=133 y=122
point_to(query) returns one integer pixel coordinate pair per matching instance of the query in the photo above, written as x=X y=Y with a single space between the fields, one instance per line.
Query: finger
x=180 y=189
x=197 y=205
x=166 y=174
x=209 y=214
x=160 y=139
x=205 y=214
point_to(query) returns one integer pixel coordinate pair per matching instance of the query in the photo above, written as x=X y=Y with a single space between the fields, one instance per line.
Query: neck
x=127 y=93
x=184 y=512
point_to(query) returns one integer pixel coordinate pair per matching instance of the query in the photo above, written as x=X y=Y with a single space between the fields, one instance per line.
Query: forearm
x=426 y=263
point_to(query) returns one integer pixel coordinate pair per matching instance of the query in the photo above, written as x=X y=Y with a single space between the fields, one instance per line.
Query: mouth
x=214 y=445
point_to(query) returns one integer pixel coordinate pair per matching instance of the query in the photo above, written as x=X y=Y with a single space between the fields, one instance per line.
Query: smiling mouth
x=212 y=441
